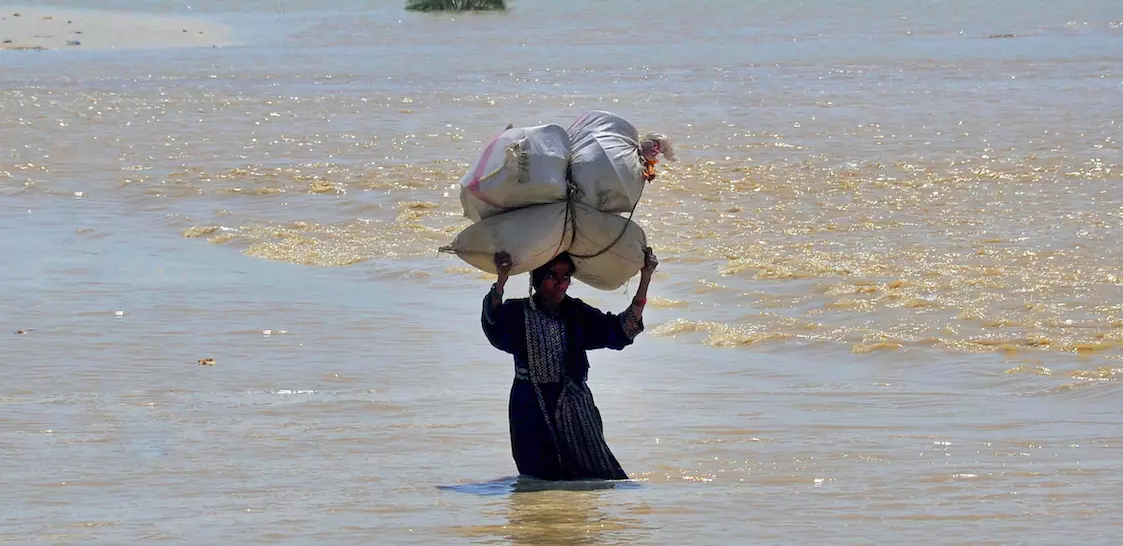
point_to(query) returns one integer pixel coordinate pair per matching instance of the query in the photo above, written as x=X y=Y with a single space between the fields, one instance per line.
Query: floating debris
x=206 y=362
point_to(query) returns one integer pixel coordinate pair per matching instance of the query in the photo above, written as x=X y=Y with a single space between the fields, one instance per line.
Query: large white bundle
x=522 y=166
x=609 y=163
x=607 y=248
x=531 y=235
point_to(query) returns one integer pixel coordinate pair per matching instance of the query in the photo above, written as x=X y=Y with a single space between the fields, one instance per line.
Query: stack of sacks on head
x=536 y=192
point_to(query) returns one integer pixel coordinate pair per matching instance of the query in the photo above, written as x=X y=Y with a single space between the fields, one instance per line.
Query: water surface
x=889 y=306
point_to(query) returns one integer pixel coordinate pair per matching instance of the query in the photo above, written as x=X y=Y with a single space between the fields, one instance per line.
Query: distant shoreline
x=24 y=28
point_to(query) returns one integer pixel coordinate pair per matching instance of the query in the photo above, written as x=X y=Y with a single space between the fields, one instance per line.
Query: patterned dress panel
x=545 y=345
x=582 y=434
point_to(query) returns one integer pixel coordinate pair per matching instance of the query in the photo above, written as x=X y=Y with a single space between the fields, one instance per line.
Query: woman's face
x=555 y=283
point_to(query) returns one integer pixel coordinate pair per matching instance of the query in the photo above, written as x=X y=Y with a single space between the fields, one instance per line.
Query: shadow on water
x=524 y=484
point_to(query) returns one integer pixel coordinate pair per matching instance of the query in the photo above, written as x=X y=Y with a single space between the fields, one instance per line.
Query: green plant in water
x=456 y=5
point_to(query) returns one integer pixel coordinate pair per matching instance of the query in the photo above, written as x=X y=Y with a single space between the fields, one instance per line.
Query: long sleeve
x=603 y=330
x=499 y=324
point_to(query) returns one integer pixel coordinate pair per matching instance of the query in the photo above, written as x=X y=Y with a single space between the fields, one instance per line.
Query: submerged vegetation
x=456 y=5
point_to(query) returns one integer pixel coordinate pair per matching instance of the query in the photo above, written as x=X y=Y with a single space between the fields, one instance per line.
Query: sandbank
x=49 y=28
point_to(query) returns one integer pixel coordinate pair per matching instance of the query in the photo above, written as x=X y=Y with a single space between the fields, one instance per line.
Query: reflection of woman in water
x=568 y=518
x=556 y=429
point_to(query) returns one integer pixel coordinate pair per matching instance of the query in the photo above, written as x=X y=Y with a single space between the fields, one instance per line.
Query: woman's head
x=551 y=280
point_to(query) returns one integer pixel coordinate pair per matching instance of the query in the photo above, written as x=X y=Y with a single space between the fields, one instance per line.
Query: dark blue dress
x=556 y=429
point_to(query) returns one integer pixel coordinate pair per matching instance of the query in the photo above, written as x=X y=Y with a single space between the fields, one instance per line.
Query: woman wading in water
x=556 y=429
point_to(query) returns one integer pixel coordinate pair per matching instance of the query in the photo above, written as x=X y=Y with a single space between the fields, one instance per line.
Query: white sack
x=595 y=232
x=531 y=235
x=608 y=160
x=535 y=235
x=522 y=166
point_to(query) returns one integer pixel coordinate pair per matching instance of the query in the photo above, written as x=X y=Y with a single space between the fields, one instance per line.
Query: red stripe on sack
x=579 y=120
x=474 y=186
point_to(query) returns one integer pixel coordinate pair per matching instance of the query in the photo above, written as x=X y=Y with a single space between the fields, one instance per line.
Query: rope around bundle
x=572 y=195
